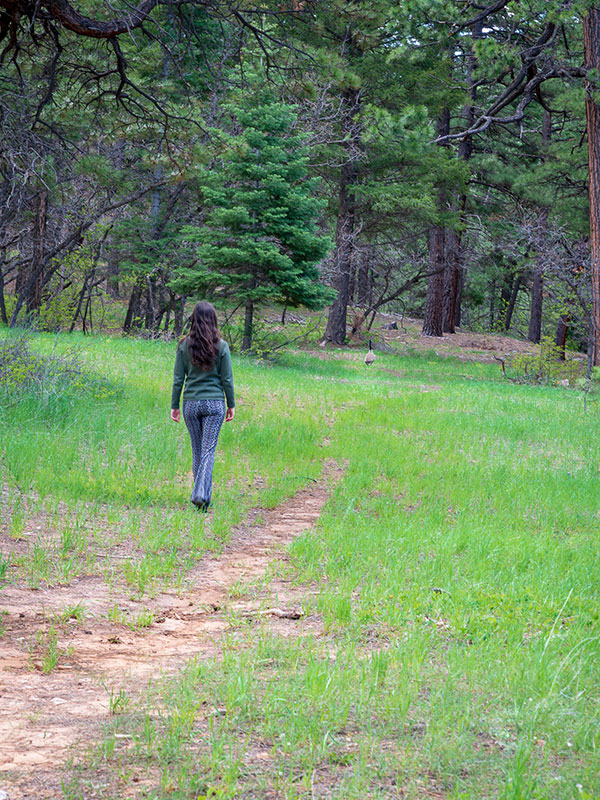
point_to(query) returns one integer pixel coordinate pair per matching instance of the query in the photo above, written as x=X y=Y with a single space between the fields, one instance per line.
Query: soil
x=46 y=717
x=465 y=345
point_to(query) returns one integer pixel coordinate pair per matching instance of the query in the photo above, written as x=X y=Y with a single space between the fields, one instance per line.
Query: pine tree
x=259 y=241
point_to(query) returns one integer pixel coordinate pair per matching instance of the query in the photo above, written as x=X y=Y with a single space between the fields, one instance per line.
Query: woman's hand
x=175 y=414
x=230 y=414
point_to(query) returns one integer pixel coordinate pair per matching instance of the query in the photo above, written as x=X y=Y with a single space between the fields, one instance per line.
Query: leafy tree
x=259 y=240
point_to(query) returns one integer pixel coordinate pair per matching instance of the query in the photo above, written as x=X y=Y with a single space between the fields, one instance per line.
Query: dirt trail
x=43 y=716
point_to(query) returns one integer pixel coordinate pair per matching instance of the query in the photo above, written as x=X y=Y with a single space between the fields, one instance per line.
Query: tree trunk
x=451 y=280
x=249 y=313
x=512 y=302
x=434 y=304
x=344 y=245
x=133 y=308
x=79 y=304
x=38 y=238
x=178 y=316
x=560 y=340
x=432 y=322
x=151 y=311
x=591 y=47
x=30 y=276
x=346 y=221
x=537 y=279
x=352 y=280
x=537 y=298
x=454 y=277
x=87 y=310
x=3 y=316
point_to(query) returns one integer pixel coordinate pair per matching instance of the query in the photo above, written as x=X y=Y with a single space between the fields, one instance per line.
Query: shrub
x=543 y=366
x=590 y=386
x=56 y=312
x=270 y=338
x=23 y=372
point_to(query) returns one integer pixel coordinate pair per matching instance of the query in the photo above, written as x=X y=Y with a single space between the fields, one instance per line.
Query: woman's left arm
x=178 y=381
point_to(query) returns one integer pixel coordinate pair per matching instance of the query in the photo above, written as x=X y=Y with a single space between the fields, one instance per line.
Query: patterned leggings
x=203 y=419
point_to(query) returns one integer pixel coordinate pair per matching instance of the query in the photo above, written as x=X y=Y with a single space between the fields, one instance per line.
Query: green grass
x=456 y=565
x=121 y=466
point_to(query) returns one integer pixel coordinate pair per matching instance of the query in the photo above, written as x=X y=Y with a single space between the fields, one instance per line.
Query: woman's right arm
x=226 y=376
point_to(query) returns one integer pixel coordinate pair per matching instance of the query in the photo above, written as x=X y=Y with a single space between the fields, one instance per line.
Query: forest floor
x=465 y=345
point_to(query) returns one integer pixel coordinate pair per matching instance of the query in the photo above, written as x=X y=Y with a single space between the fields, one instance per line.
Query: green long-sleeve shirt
x=201 y=385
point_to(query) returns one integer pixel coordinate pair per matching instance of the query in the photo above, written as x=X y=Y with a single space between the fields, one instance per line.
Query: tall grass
x=456 y=567
x=116 y=459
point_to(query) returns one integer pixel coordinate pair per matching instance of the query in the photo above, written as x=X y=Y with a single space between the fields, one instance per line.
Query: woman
x=203 y=363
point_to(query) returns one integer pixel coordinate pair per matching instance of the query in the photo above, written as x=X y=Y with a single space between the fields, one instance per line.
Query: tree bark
x=454 y=278
x=3 y=316
x=133 y=308
x=248 y=316
x=30 y=277
x=560 y=340
x=432 y=322
x=178 y=316
x=151 y=304
x=39 y=238
x=512 y=302
x=452 y=257
x=71 y=19
x=87 y=310
x=537 y=298
x=433 y=317
x=537 y=279
x=346 y=221
x=79 y=303
x=591 y=47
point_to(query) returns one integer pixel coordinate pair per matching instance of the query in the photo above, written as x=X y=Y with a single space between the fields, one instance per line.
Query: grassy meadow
x=455 y=570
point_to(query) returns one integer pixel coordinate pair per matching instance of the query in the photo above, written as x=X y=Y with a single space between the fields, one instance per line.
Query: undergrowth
x=48 y=378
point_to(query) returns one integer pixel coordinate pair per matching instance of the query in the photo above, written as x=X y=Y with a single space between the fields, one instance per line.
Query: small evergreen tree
x=259 y=240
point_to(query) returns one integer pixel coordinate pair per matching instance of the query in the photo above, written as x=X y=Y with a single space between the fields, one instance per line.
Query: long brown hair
x=203 y=338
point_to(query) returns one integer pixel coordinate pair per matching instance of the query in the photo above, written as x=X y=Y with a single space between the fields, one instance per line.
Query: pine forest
x=299 y=399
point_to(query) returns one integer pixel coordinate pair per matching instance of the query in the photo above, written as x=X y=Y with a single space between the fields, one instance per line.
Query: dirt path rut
x=43 y=717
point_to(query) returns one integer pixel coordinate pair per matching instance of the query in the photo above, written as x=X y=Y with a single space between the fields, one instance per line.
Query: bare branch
x=72 y=20
x=487 y=12
x=524 y=85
